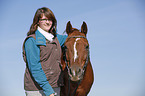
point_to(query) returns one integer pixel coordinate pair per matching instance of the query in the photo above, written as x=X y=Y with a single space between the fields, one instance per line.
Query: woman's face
x=44 y=23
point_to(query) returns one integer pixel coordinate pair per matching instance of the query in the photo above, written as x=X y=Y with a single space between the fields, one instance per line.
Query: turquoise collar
x=40 y=39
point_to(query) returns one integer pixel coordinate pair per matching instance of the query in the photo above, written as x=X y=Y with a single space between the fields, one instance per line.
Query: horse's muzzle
x=75 y=73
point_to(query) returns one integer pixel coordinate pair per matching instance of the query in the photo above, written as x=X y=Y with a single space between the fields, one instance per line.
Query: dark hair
x=39 y=13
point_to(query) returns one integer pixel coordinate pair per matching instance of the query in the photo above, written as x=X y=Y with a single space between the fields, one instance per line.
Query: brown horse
x=78 y=72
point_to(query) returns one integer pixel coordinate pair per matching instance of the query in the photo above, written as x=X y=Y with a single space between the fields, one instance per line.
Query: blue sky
x=116 y=34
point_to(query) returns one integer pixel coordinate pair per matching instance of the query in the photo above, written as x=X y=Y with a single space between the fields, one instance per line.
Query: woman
x=42 y=54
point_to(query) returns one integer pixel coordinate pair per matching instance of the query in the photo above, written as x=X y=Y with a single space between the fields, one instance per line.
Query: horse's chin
x=75 y=79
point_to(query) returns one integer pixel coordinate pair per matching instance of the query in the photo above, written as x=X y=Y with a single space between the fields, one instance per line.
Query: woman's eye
x=44 y=20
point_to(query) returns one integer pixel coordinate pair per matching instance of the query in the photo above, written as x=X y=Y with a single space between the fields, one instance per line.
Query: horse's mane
x=74 y=29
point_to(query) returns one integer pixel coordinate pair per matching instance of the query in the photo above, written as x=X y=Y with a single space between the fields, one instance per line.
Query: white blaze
x=75 y=50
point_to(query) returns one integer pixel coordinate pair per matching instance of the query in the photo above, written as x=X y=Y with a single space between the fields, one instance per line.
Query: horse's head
x=76 y=51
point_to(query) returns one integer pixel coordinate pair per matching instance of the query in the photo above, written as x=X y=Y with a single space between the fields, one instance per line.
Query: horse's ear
x=68 y=28
x=84 y=28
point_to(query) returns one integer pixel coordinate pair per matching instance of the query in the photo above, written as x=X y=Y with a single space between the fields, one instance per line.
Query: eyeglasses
x=44 y=20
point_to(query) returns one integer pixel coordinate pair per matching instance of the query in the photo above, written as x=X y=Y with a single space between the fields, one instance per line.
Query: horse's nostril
x=79 y=70
x=70 y=71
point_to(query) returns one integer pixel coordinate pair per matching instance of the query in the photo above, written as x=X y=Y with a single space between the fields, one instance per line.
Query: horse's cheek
x=80 y=92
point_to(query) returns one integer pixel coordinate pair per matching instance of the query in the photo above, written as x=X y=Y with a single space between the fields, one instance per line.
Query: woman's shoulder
x=29 y=40
x=61 y=38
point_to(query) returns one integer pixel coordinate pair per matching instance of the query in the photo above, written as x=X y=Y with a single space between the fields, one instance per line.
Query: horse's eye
x=65 y=47
x=87 y=47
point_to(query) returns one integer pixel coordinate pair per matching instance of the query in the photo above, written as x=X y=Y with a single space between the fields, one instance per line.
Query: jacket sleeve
x=33 y=59
x=61 y=39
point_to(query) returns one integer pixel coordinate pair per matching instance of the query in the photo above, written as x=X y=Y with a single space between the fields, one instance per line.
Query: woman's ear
x=69 y=28
x=84 y=28
x=38 y=23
